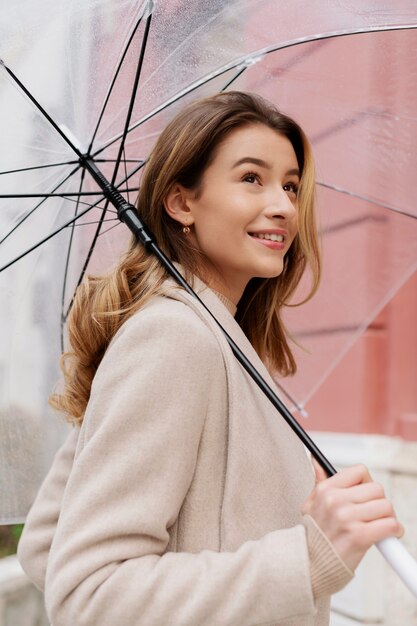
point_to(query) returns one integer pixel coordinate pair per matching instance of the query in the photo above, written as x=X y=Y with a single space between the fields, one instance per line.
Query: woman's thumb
x=319 y=472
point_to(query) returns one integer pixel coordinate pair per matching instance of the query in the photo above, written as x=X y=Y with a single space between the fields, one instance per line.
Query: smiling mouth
x=268 y=236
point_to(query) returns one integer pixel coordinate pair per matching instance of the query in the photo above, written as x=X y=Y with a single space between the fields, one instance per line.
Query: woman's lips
x=269 y=243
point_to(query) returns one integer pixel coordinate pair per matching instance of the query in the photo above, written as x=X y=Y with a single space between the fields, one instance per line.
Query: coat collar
x=220 y=311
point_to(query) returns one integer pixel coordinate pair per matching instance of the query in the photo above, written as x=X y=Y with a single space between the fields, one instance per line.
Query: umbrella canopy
x=345 y=74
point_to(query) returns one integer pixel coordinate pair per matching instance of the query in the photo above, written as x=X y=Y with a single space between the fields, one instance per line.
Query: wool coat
x=177 y=502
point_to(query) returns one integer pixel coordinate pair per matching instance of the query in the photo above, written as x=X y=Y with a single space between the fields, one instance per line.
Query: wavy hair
x=183 y=152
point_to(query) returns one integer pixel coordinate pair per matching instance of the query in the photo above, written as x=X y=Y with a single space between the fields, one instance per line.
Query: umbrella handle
x=400 y=560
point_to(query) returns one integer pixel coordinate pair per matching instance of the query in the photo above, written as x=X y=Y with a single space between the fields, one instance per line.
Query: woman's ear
x=176 y=206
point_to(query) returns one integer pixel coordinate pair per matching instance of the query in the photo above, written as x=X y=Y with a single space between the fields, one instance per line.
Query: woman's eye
x=291 y=187
x=250 y=177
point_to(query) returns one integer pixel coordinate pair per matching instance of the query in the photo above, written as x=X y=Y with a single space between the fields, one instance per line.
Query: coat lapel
x=223 y=316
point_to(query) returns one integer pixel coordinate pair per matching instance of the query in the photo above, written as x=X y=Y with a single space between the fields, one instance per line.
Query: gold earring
x=186 y=230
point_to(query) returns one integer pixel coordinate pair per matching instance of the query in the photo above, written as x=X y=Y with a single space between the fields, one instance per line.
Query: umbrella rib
x=114 y=160
x=100 y=223
x=88 y=256
x=45 y=239
x=69 y=194
x=235 y=77
x=132 y=173
x=64 y=284
x=353 y=222
x=87 y=260
x=119 y=67
x=40 y=108
x=250 y=58
x=103 y=232
x=203 y=26
x=352 y=194
x=348 y=122
x=97 y=233
x=162 y=107
x=110 y=219
x=92 y=206
x=89 y=253
x=58 y=230
x=298 y=407
x=125 y=170
x=320 y=332
x=322 y=38
x=37 y=206
x=121 y=147
x=38 y=167
x=133 y=95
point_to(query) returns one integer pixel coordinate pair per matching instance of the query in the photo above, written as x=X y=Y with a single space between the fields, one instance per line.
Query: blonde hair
x=181 y=155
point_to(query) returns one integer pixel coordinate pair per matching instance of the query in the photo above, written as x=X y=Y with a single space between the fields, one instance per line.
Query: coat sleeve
x=40 y=525
x=138 y=451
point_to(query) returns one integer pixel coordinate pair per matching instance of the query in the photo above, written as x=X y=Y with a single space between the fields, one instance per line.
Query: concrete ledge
x=376 y=595
x=391 y=454
x=341 y=620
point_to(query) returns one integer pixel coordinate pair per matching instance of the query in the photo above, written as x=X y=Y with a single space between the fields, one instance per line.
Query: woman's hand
x=352 y=511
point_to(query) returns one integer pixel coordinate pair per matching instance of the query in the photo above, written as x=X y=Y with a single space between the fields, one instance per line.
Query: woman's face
x=245 y=218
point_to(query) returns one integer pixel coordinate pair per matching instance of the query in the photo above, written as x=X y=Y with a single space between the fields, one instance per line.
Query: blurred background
x=356 y=97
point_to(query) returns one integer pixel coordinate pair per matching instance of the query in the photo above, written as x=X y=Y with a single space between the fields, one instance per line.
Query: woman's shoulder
x=168 y=322
x=165 y=314
x=162 y=343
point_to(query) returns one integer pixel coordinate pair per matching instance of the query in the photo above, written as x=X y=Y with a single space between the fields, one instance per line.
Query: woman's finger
x=319 y=472
x=354 y=475
x=369 y=511
x=376 y=530
x=365 y=492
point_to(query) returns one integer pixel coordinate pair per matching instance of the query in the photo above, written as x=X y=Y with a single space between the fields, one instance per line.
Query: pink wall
x=356 y=98
x=338 y=90
x=374 y=388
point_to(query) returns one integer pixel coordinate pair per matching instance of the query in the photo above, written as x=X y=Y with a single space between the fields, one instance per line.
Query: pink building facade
x=374 y=388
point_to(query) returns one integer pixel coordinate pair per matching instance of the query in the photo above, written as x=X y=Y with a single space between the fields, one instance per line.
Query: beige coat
x=182 y=506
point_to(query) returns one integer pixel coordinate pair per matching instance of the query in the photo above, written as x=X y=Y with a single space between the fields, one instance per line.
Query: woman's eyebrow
x=253 y=160
x=264 y=164
x=294 y=172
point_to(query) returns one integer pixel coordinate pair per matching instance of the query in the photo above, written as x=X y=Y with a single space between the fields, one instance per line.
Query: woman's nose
x=282 y=206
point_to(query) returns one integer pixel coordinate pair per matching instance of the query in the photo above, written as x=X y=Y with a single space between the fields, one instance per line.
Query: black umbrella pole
x=253 y=373
x=128 y=214
x=391 y=548
x=394 y=552
x=130 y=217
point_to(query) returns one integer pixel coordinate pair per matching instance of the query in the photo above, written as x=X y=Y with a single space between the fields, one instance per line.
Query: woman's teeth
x=270 y=236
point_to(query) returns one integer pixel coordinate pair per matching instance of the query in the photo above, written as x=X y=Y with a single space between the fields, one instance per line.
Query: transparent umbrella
x=67 y=75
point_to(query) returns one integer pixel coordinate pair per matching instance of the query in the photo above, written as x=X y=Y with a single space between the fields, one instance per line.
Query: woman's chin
x=270 y=271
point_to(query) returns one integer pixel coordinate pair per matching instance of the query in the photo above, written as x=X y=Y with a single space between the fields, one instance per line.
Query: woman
x=183 y=498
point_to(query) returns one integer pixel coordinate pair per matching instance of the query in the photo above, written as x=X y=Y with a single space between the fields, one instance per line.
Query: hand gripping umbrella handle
x=401 y=561
x=392 y=549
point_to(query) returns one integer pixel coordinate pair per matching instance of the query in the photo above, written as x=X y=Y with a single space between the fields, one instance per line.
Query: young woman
x=181 y=497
